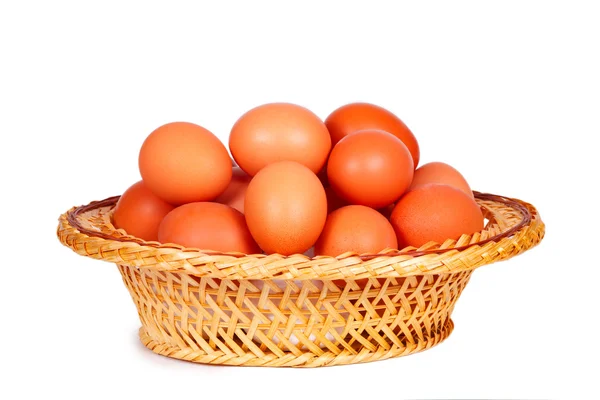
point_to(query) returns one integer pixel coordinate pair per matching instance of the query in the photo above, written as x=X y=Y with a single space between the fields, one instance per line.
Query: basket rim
x=128 y=250
x=111 y=201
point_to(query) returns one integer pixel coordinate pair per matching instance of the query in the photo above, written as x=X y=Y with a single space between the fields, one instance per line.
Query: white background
x=507 y=92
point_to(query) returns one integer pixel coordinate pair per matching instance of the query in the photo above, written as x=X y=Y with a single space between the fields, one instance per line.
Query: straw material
x=259 y=310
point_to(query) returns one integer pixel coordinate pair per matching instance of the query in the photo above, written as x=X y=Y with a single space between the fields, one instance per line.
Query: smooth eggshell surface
x=435 y=212
x=285 y=208
x=208 y=226
x=371 y=168
x=439 y=172
x=182 y=163
x=360 y=116
x=139 y=212
x=357 y=229
x=279 y=132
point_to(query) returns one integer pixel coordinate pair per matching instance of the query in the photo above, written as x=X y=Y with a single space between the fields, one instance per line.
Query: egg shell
x=139 y=212
x=355 y=117
x=235 y=193
x=439 y=172
x=435 y=212
x=357 y=229
x=372 y=168
x=279 y=132
x=285 y=208
x=208 y=226
x=182 y=162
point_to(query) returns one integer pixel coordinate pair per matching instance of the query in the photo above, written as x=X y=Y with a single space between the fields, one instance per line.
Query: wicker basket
x=298 y=311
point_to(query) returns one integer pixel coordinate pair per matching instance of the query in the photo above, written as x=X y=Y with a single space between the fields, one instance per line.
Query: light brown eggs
x=360 y=116
x=435 y=212
x=208 y=226
x=285 y=208
x=372 y=168
x=279 y=132
x=357 y=229
x=182 y=162
x=296 y=185
x=139 y=212
x=439 y=172
x=235 y=193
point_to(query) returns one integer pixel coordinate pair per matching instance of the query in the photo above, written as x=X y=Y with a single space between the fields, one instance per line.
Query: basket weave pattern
x=260 y=310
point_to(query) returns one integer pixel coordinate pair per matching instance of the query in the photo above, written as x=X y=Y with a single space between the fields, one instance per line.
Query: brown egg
x=208 y=226
x=139 y=212
x=279 y=132
x=371 y=168
x=360 y=116
x=235 y=193
x=333 y=200
x=285 y=208
x=435 y=212
x=182 y=163
x=357 y=229
x=439 y=172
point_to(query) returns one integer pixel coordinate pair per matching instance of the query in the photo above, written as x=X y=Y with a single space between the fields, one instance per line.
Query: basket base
x=328 y=358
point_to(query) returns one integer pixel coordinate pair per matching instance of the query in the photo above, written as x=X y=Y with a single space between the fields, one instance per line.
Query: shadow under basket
x=297 y=311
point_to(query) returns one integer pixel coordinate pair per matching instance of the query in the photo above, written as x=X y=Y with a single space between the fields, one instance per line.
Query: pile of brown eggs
x=349 y=184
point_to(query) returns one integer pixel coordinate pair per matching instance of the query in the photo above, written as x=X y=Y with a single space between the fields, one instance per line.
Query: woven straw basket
x=298 y=311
